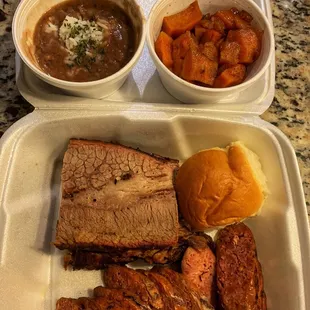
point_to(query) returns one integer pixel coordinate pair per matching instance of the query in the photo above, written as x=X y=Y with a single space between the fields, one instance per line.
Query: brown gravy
x=84 y=40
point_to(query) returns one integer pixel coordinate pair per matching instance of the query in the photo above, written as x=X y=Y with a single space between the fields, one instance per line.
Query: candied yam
x=222 y=68
x=218 y=44
x=259 y=34
x=241 y=23
x=234 y=10
x=210 y=35
x=206 y=23
x=199 y=31
x=198 y=68
x=229 y=53
x=180 y=47
x=227 y=17
x=218 y=24
x=178 y=66
x=207 y=16
x=231 y=76
x=163 y=48
x=183 y=43
x=177 y=24
x=209 y=50
x=249 y=44
x=246 y=16
x=213 y=23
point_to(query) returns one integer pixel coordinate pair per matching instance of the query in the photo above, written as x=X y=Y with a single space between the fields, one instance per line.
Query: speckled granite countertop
x=290 y=110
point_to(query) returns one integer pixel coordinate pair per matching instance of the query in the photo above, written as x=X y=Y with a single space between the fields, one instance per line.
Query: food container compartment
x=31 y=154
x=141 y=114
x=144 y=87
x=25 y=20
x=188 y=92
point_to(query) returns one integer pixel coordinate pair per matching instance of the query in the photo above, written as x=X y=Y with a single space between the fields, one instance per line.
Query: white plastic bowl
x=190 y=93
x=25 y=19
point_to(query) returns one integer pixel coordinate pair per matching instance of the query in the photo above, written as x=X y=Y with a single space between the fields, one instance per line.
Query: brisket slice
x=144 y=290
x=171 y=296
x=98 y=303
x=159 y=288
x=115 y=196
x=118 y=295
x=98 y=260
x=199 y=268
x=239 y=274
x=187 y=298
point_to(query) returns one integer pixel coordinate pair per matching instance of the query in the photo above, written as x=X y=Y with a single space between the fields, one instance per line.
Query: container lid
x=143 y=89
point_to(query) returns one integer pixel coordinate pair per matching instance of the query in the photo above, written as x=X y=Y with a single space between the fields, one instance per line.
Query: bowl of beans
x=86 y=48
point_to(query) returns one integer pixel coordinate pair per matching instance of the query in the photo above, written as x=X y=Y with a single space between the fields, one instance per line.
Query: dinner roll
x=217 y=187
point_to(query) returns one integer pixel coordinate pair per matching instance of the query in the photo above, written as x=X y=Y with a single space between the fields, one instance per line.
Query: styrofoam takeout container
x=188 y=92
x=27 y=16
x=31 y=159
x=142 y=114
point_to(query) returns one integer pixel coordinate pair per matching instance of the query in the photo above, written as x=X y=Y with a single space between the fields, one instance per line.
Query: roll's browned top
x=216 y=188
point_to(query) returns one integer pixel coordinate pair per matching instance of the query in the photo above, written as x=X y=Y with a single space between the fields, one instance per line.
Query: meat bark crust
x=115 y=196
x=136 y=283
x=125 y=288
x=239 y=273
x=98 y=303
x=80 y=259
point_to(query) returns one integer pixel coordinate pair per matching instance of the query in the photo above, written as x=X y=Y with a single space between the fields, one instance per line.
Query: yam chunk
x=222 y=68
x=219 y=43
x=206 y=23
x=199 y=31
x=234 y=10
x=245 y=16
x=211 y=35
x=259 y=34
x=163 y=48
x=228 y=18
x=218 y=24
x=229 y=53
x=198 y=68
x=177 y=24
x=213 y=23
x=249 y=42
x=209 y=50
x=180 y=47
x=241 y=23
x=231 y=76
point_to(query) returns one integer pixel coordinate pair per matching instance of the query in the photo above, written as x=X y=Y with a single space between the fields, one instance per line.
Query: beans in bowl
x=84 y=40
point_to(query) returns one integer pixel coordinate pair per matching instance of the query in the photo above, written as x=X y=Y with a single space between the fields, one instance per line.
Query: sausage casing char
x=239 y=273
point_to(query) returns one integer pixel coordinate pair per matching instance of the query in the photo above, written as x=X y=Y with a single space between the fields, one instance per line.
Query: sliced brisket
x=136 y=283
x=171 y=296
x=98 y=303
x=199 y=267
x=125 y=288
x=98 y=260
x=115 y=196
x=187 y=298
x=80 y=259
x=118 y=295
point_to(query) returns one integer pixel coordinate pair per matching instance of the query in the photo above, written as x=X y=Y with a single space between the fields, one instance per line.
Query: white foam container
x=141 y=115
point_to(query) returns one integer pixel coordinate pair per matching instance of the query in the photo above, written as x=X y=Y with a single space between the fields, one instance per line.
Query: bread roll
x=217 y=187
